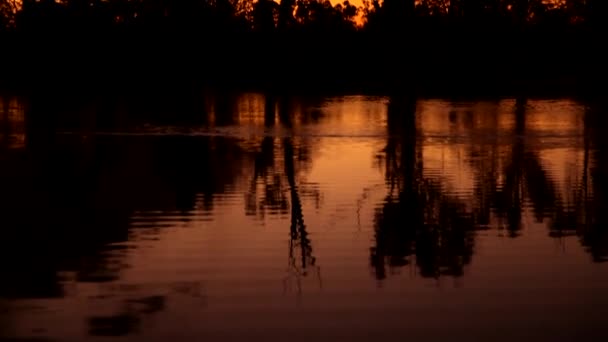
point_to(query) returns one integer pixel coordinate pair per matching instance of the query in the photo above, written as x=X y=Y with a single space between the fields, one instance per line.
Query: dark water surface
x=253 y=217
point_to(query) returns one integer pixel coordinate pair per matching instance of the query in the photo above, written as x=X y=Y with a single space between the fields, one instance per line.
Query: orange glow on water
x=253 y=219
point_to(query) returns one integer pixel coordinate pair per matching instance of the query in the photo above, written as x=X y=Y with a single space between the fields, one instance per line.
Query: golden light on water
x=274 y=208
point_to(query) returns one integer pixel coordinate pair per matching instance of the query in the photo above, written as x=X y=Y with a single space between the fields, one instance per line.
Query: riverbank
x=432 y=64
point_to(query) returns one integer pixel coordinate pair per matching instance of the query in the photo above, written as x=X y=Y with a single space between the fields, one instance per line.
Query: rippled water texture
x=252 y=217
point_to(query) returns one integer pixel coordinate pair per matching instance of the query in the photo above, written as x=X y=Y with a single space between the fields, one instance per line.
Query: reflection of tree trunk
x=585 y=178
x=514 y=172
x=263 y=164
x=595 y=237
x=576 y=217
x=525 y=176
x=487 y=182
x=401 y=215
x=265 y=159
x=422 y=219
x=297 y=228
x=401 y=148
x=540 y=189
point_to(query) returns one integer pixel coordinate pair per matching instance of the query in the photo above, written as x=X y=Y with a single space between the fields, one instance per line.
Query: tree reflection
x=593 y=200
x=423 y=222
x=267 y=187
x=68 y=200
x=582 y=215
x=298 y=234
x=523 y=180
x=281 y=189
x=509 y=181
x=417 y=218
x=265 y=173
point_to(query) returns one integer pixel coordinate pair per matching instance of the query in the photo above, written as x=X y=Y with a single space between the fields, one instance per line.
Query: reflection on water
x=12 y=124
x=259 y=216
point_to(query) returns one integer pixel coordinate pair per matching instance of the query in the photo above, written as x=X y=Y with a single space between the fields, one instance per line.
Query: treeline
x=304 y=41
x=268 y=15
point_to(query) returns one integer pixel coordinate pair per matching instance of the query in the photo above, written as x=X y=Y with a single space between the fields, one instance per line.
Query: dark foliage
x=494 y=44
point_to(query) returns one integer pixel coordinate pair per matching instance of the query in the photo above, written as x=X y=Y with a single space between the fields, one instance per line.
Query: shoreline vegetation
x=430 y=47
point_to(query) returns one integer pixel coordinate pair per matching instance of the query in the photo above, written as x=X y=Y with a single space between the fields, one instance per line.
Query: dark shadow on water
x=592 y=200
x=113 y=326
x=278 y=182
x=298 y=234
x=71 y=199
x=418 y=223
x=422 y=223
x=88 y=186
x=67 y=200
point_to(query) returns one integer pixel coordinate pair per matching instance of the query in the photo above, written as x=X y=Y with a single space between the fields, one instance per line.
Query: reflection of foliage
x=526 y=184
x=423 y=222
x=417 y=218
x=524 y=180
x=421 y=218
x=592 y=200
x=298 y=235
x=278 y=175
x=267 y=190
x=273 y=195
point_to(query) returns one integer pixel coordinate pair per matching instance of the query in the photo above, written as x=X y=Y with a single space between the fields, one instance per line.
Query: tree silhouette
x=286 y=18
x=8 y=12
x=263 y=16
x=380 y=44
